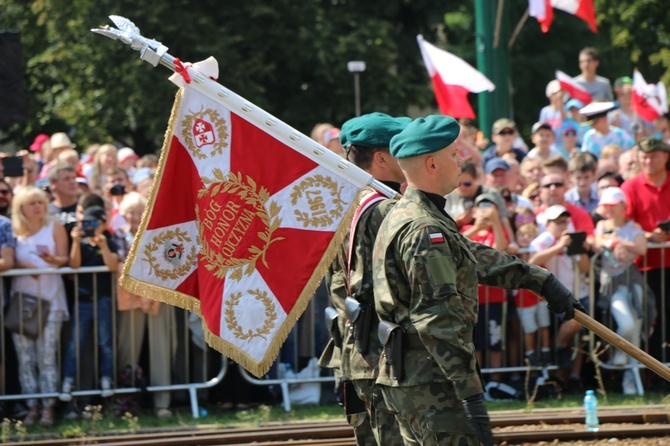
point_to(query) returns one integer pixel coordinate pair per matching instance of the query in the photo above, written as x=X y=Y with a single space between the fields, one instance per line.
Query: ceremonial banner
x=240 y=226
x=543 y=11
x=452 y=78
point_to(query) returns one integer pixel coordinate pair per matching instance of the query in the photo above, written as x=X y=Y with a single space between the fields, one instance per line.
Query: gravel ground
x=659 y=441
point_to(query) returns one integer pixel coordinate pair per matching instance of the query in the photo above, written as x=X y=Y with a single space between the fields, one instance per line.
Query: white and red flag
x=649 y=101
x=573 y=88
x=452 y=78
x=244 y=218
x=543 y=11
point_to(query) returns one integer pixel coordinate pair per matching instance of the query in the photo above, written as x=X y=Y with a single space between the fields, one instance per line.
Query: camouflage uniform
x=360 y=369
x=428 y=286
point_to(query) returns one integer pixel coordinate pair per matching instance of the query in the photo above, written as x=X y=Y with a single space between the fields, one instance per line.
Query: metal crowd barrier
x=183 y=339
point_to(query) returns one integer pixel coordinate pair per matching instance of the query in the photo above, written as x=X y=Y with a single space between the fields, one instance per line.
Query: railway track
x=509 y=428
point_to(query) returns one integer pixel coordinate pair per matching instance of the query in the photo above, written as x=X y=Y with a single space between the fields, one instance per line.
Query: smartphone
x=664 y=225
x=13 y=166
x=89 y=227
x=576 y=245
x=41 y=250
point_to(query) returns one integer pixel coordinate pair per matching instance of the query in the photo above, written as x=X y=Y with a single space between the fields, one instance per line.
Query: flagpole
x=156 y=53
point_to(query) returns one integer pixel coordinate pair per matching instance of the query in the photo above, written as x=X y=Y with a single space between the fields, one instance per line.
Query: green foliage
x=290 y=57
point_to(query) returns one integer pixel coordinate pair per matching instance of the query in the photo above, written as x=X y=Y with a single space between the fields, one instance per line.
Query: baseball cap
x=502 y=124
x=94 y=213
x=612 y=195
x=553 y=86
x=330 y=135
x=572 y=103
x=495 y=163
x=540 y=125
x=567 y=126
x=40 y=139
x=555 y=211
x=125 y=153
x=623 y=80
x=485 y=197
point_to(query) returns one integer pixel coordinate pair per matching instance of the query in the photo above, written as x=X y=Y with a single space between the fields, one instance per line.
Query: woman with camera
x=41 y=242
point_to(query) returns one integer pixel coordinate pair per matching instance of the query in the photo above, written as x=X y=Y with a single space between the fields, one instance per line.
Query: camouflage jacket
x=353 y=364
x=426 y=277
x=331 y=358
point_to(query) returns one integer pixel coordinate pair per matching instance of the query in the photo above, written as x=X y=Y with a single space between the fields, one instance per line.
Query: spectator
x=488 y=230
x=71 y=157
x=40 y=147
x=543 y=138
x=41 y=242
x=623 y=116
x=515 y=182
x=604 y=181
x=628 y=165
x=547 y=250
x=523 y=215
x=647 y=198
x=7 y=245
x=57 y=143
x=126 y=159
x=137 y=312
x=150 y=161
x=6 y=195
x=531 y=170
x=582 y=171
x=661 y=128
x=621 y=284
x=65 y=190
x=467 y=142
x=104 y=161
x=611 y=152
x=573 y=106
x=503 y=135
x=569 y=132
x=554 y=113
x=532 y=193
x=461 y=201
x=602 y=133
x=598 y=87
x=92 y=246
x=555 y=164
x=552 y=193
x=117 y=185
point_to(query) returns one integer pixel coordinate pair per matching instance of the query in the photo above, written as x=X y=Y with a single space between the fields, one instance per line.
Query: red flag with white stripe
x=452 y=78
x=542 y=10
x=241 y=224
x=573 y=88
x=646 y=101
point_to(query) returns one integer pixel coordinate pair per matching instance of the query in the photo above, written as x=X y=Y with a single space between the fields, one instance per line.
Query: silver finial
x=150 y=50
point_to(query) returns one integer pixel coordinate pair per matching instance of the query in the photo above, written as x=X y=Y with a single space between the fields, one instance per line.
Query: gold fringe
x=192 y=304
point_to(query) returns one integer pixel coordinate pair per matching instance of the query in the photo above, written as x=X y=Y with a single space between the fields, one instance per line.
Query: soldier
x=425 y=286
x=366 y=140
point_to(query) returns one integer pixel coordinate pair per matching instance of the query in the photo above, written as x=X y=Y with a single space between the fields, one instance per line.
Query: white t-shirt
x=562 y=266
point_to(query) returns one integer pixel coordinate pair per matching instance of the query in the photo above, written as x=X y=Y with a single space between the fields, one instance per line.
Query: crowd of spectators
x=593 y=182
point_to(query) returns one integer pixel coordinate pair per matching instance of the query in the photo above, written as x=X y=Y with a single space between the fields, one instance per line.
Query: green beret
x=425 y=135
x=652 y=144
x=371 y=130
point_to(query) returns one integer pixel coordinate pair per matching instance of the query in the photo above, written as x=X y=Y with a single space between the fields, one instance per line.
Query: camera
x=117 y=189
x=89 y=227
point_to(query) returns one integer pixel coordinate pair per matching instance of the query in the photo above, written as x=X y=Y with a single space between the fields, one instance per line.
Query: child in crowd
x=92 y=245
x=522 y=216
x=543 y=138
x=621 y=284
x=548 y=250
x=533 y=313
x=488 y=229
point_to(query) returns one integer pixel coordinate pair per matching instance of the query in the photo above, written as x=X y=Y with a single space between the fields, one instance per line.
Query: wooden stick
x=622 y=344
x=517 y=30
x=496 y=32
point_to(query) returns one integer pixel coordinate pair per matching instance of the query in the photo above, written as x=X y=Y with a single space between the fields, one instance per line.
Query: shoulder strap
x=367 y=202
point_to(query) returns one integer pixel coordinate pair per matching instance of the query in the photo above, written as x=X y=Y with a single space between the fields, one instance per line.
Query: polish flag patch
x=437 y=237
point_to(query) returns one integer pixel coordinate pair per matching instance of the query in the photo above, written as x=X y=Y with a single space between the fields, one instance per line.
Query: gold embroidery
x=319 y=214
x=212 y=117
x=167 y=239
x=233 y=325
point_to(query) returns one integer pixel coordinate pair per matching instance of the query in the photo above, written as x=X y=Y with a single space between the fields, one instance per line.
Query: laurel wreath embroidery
x=234 y=326
x=327 y=183
x=253 y=196
x=151 y=248
x=216 y=120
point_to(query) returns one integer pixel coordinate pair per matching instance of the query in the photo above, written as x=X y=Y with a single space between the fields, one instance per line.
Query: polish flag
x=646 y=99
x=542 y=11
x=453 y=79
x=573 y=88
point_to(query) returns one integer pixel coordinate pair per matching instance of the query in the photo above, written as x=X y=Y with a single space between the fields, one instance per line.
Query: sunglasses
x=570 y=133
x=506 y=132
x=524 y=219
x=534 y=196
x=467 y=183
x=5 y=192
x=556 y=185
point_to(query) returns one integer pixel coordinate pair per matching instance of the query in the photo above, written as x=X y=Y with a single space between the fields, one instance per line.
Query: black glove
x=559 y=298
x=476 y=412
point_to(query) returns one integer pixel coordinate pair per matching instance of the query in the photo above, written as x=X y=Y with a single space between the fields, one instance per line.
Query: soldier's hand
x=476 y=412
x=559 y=298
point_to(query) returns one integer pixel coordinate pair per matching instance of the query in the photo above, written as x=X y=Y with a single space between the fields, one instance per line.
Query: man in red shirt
x=552 y=193
x=648 y=203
